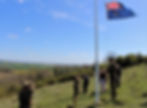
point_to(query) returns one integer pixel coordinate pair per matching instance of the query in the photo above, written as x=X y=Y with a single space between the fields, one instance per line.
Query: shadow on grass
x=91 y=106
x=102 y=93
x=144 y=95
x=144 y=105
x=65 y=99
x=104 y=102
x=70 y=106
x=118 y=103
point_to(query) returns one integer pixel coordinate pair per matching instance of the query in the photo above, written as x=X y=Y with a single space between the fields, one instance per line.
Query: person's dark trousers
x=24 y=106
x=119 y=75
x=113 y=90
x=119 y=81
x=85 y=89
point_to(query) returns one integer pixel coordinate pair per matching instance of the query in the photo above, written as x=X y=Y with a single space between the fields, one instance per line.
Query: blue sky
x=61 y=31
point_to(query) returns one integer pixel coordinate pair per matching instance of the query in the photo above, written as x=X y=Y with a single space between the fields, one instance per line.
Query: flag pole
x=97 y=94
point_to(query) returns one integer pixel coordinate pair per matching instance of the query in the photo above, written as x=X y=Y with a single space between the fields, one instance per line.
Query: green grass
x=60 y=95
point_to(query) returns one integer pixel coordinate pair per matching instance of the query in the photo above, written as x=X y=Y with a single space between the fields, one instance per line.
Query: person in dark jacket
x=25 y=96
x=76 y=89
x=119 y=75
x=85 y=83
x=112 y=71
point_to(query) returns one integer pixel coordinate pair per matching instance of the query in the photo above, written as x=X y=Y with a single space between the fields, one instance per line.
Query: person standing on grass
x=85 y=83
x=25 y=96
x=103 y=79
x=119 y=75
x=76 y=89
x=112 y=71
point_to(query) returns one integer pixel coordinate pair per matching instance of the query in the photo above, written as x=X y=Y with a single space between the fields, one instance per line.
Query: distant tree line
x=131 y=59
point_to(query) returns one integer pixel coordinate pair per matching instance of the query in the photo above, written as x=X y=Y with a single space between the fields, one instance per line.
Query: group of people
x=26 y=92
x=112 y=72
x=80 y=82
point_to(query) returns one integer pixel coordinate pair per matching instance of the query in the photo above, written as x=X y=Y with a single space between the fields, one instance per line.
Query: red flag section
x=113 y=6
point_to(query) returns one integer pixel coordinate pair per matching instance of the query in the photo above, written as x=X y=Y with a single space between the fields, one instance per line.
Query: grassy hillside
x=12 y=75
x=133 y=93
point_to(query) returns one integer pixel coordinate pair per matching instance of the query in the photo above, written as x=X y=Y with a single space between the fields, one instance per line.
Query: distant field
x=132 y=94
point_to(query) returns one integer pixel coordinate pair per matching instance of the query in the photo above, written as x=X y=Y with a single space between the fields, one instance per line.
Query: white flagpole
x=97 y=94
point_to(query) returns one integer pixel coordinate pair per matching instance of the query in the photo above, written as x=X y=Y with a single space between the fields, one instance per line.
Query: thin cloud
x=81 y=5
x=21 y=1
x=79 y=58
x=13 y=36
x=102 y=28
x=66 y=16
x=28 y=29
x=77 y=4
x=63 y=15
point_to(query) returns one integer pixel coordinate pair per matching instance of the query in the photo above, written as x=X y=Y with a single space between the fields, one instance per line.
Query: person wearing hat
x=112 y=71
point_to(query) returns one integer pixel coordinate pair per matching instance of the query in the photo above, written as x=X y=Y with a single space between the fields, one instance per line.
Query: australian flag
x=117 y=10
